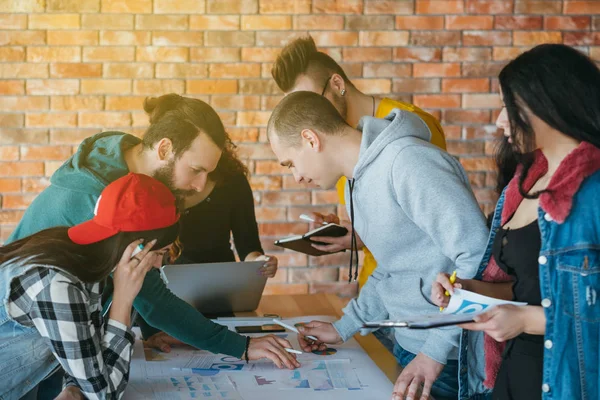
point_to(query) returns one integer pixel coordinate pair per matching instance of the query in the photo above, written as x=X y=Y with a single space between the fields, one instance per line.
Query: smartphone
x=259 y=329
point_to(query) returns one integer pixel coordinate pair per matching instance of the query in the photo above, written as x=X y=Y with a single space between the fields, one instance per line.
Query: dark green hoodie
x=70 y=200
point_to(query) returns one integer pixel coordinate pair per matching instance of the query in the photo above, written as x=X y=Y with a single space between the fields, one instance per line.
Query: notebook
x=303 y=243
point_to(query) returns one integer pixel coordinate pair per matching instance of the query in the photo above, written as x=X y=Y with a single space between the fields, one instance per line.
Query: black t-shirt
x=206 y=228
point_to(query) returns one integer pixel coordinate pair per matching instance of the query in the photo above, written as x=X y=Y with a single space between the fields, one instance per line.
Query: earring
x=343 y=92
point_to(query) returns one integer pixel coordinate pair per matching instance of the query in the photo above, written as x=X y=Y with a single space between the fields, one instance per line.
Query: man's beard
x=166 y=175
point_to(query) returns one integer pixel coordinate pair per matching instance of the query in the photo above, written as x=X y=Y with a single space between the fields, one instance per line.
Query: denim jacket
x=569 y=271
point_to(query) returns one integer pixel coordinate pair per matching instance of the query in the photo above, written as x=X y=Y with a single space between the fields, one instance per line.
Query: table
x=289 y=306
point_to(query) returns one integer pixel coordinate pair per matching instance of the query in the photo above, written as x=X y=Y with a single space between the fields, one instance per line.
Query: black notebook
x=303 y=243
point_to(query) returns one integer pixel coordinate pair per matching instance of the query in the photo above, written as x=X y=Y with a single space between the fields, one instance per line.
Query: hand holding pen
x=443 y=287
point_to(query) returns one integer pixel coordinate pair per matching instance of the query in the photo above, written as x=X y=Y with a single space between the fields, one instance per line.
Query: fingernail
x=141 y=240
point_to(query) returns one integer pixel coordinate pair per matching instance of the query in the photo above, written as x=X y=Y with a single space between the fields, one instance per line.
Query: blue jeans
x=446 y=385
x=386 y=337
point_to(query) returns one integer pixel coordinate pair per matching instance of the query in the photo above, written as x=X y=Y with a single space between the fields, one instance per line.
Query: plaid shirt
x=94 y=355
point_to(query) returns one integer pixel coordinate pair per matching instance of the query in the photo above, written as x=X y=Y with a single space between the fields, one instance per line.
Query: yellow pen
x=452 y=280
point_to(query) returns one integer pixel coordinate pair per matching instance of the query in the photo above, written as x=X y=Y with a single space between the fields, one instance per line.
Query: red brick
x=258 y=86
x=243 y=134
x=255 y=150
x=325 y=197
x=107 y=21
x=285 y=198
x=10 y=217
x=321 y=22
x=162 y=22
x=108 y=53
x=535 y=38
x=133 y=7
x=270 y=168
x=181 y=70
x=105 y=86
x=465 y=147
x=214 y=22
x=481 y=132
x=445 y=38
x=476 y=70
x=24 y=38
x=76 y=103
x=20 y=135
x=13 y=21
x=267 y=23
x=126 y=38
x=68 y=38
x=252 y=118
x=328 y=39
x=11 y=120
x=373 y=86
x=128 y=70
x=234 y=70
x=75 y=70
x=562 y=23
x=466 y=116
x=582 y=7
x=452 y=132
x=23 y=103
x=23 y=70
x=581 y=38
x=202 y=86
x=394 y=7
x=282 y=229
x=478 y=164
x=461 y=22
x=257 y=54
x=9 y=153
x=230 y=38
x=179 y=7
x=386 y=70
x=232 y=6
x=411 y=54
x=270 y=213
x=437 y=100
x=43 y=153
x=465 y=85
x=17 y=169
x=367 y=55
x=439 y=7
x=465 y=54
x=104 y=118
x=416 y=85
x=161 y=54
x=53 y=21
x=342 y=289
x=518 y=22
x=8 y=185
x=486 y=38
x=489 y=6
x=436 y=69
x=538 y=7
x=151 y=87
x=383 y=38
x=491 y=100
x=338 y=6
x=368 y=22
x=55 y=119
x=417 y=22
x=507 y=53
x=284 y=7
x=70 y=136
x=215 y=54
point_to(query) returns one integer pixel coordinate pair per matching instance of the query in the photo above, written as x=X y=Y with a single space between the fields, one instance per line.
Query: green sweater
x=70 y=199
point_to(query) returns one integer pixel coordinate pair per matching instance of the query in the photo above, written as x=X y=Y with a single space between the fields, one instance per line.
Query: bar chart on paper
x=344 y=372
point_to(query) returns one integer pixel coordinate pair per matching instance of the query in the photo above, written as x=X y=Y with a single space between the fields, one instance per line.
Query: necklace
x=373 y=113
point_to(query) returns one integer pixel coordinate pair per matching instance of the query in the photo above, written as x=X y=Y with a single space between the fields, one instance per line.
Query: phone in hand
x=259 y=329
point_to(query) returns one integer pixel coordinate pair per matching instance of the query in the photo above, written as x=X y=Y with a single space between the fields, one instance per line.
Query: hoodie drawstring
x=353 y=242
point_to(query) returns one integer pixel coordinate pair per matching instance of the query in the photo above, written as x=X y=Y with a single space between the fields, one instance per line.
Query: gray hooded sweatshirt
x=415 y=211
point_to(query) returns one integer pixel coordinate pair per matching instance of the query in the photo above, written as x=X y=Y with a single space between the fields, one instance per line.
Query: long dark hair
x=90 y=263
x=558 y=84
x=229 y=165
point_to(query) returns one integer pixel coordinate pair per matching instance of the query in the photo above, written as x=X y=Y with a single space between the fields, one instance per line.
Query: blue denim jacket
x=25 y=357
x=569 y=270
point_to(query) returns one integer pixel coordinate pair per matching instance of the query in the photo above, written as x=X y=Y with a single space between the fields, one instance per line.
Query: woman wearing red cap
x=51 y=284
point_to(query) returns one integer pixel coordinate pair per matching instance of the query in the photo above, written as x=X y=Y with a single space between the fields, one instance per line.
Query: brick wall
x=70 y=68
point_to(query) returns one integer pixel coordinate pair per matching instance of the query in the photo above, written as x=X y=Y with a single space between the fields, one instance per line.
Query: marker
x=293 y=351
x=452 y=280
x=292 y=328
x=305 y=217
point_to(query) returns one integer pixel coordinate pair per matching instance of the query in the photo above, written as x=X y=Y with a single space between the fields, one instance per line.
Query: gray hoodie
x=415 y=211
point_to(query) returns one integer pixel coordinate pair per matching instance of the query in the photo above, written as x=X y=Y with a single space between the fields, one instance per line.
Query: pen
x=310 y=219
x=293 y=351
x=452 y=280
x=292 y=328
x=163 y=275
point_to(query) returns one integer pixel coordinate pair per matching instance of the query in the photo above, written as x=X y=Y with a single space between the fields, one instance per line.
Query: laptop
x=218 y=288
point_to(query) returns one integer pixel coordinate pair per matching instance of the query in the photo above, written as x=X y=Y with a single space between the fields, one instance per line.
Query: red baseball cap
x=133 y=203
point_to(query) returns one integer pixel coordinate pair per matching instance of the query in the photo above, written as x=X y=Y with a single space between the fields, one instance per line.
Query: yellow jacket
x=437 y=137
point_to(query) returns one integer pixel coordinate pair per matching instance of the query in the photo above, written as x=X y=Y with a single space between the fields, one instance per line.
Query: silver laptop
x=216 y=288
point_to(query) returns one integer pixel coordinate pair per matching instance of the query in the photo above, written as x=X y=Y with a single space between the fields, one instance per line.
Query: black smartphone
x=259 y=329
